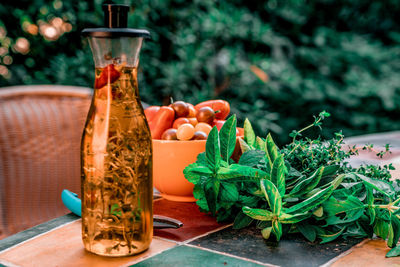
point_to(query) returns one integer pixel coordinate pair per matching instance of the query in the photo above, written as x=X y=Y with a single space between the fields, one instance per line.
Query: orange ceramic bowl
x=169 y=160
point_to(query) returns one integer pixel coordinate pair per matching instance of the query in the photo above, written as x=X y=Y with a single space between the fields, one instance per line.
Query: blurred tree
x=277 y=62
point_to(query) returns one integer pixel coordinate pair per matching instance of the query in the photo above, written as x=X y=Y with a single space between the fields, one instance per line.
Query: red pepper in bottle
x=162 y=121
x=221 y=107
x=150 y=112
x=108 y=75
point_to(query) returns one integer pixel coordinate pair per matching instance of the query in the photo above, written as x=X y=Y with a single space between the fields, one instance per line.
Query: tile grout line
x=207 y=233
x=232 y=256
x=36 y=236
x=345 y=253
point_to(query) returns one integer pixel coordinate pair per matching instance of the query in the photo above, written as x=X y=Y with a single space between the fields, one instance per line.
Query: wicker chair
x=40 y=132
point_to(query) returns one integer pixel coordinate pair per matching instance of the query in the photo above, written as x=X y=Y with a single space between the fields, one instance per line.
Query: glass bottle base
x=105 y=248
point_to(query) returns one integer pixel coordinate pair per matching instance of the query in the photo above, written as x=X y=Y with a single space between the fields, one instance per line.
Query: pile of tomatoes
x=184 y=121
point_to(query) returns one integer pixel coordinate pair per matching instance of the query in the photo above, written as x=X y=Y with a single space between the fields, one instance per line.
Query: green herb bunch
x=306 y=187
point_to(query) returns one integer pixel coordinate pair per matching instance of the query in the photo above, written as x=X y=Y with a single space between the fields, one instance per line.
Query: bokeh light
x=22 y=45
x=3 y=70
x=7 y=60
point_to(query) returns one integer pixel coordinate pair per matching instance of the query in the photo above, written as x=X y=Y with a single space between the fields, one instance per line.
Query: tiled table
x=201 y=241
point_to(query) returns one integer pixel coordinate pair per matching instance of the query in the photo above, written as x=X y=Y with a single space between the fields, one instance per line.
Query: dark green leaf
x=381 y=228
x=227 y=136
x=241 y=221
x=258 y=214
x=229 y=192
x=311 y=202
x=308 y=184
x=307 y=231
x=213 y=154
x=272 y=195
x=249 y=135
x=379 y=185
x=328 y=237
x=239 y=171
x=394 y=232
x=394 y=252
x=278 y=174
x=343 y=211
x=251 y=158
x=191 y=176
x=201 y=159
x=330 y=170
x=370 y=201
x=211 y=190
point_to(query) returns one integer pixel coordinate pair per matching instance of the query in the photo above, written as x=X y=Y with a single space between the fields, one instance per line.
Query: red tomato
x=221 y=107
x=161 y=122
x=150 y=112
x=239 y=131
x=219 y=124
x=108 y=75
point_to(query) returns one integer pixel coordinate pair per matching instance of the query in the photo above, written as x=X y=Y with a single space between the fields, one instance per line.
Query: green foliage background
x=342 y=56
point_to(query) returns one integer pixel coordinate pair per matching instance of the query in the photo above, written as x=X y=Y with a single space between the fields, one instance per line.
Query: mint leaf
x=213 y=154
x=394 y=252
x=251 y=158
x=227 y=136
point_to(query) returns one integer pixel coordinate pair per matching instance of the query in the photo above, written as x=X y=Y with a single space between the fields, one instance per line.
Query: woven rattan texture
x=40 y=132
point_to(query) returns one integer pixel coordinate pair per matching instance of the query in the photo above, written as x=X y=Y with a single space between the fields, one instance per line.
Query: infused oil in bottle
x=116 y=148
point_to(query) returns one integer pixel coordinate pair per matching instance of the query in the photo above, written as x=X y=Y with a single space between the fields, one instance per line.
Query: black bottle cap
x=115 y=16
x=115 y=23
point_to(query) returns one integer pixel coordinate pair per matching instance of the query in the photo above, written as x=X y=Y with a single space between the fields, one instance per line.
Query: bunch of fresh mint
x=306 y=187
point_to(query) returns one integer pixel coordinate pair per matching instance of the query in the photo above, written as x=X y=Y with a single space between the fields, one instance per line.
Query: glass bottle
x=116 y=148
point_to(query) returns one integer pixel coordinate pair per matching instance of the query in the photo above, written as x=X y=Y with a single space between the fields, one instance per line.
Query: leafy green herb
x=307 y=185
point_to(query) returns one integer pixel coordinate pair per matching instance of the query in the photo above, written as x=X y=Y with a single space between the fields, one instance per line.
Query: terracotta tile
x=370 y=253
x=195 y=223
x=63 y=247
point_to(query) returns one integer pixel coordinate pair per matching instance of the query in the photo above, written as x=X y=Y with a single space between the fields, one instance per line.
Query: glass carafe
x=116 y=148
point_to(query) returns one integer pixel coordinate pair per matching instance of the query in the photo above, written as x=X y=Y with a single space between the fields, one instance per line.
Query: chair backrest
x=40 y=131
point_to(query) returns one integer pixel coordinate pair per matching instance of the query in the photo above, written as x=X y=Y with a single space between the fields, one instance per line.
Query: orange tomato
x=193 y=121
x=185 y=132
x=203 y=127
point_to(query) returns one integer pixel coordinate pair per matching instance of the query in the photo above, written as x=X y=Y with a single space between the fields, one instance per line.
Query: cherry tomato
x=179 y=121
x=192 y=111
x=221 y=106
x=185 y=132
x=181 y=109
x=169 y=134
x=108 y=75
x=161 y=122
x=193 y=121
x=150 y=112
x=205 y=114
x=199 y=135
x=203 y=127
x=239 y=131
